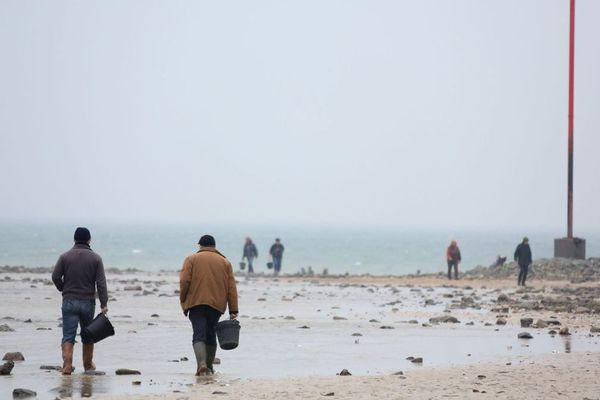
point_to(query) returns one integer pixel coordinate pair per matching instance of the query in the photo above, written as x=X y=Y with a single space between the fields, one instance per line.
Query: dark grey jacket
x=78 y=272
x=523 y=255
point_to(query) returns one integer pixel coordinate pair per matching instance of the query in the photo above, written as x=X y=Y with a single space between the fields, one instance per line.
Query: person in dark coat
x=523 y=258
x=250 y=253
x=454 y=258
x=276 y=253
x=79 y=275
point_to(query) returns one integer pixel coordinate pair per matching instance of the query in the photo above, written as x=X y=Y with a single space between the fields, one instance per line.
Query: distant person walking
x=276 y=253
x=250 y=253
x=453 y=258
x=524 y=259
x=207 y=288
x=77 y=274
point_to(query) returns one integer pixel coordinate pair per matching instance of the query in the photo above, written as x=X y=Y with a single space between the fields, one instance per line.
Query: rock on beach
x=14 y=356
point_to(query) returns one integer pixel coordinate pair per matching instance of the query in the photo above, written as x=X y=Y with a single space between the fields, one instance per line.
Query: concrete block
x=569 y=248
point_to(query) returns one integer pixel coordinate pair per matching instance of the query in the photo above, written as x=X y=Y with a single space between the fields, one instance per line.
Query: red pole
x=571 y=84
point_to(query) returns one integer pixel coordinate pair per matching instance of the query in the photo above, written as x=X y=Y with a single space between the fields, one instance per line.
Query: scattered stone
x=540 y=323
x=525 y=335
x=398 y=373
x=154 y=316
x=357 y=334
x=125 y=371
x=94 y=373
x=43 y=329
x=417 y=360
x=503 y=298
x=133 y=288
x=6 y=328
x=51 y=367
x=481 y=376
x=7 y=367
x=500 y=321
x=564 y=331
x=304 y=327
x=218 y=392
x=137 y=383
x=526 y=322
x=28 y=321
x=470 y=323
x=289 y=317
x=23 y=393
x=261 y=299
x=15 y=356
x=374 y=321
x=345 y=372
x=386 y=327
x=552 y=332
x=184 y=359
x=444 y=319
x=328 y=394
x=595 y=329
x=336 y=318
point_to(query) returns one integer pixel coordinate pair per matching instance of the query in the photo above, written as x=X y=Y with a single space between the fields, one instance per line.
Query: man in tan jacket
x=207 y=287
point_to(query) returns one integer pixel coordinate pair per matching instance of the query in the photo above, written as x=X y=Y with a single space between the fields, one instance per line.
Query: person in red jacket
x=454 y=258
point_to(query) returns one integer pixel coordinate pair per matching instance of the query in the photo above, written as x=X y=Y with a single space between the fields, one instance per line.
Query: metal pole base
x=569 y=248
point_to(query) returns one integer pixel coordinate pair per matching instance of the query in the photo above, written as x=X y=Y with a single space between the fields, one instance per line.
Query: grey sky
x=370 y=112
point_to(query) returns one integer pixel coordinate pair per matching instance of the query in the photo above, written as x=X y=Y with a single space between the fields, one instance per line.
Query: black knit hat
x=207 y=241
x=82 y=235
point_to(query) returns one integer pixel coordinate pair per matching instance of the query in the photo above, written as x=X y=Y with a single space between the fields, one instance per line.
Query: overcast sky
x=450 y=113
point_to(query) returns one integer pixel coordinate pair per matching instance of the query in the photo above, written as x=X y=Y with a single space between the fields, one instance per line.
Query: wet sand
x=297 y=333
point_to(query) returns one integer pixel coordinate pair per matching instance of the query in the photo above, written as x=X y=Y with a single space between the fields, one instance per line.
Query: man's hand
x=104 y=310
x=233 y=316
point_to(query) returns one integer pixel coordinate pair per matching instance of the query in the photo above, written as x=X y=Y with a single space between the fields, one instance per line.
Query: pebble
x=525 y=335
x=564 y=331
x=14 y=356
x=126 y=371
x=445 y=319
x=6 y=328
x=23 y=393
x=51 y=367
x=417 y=360
x=595 y=329
x=344 y=372
x=526 y=322
x=500 y=321
x=7 y=367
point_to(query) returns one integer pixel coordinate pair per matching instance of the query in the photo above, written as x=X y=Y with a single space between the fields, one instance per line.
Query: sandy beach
x=299 y=332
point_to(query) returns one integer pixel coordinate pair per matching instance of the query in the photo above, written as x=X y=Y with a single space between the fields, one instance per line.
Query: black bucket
x=242 y=265
x=100 y=328
x=269 y=265
x=228 y=332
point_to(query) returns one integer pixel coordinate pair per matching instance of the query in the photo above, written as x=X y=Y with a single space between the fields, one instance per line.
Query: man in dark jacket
x=250 y=253
x=453 y=258
x=276 y=253
x=77 y=274
x=524 y=258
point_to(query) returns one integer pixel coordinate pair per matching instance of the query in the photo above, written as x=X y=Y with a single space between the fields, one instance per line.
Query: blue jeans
x=77 y=312
x=277 y=264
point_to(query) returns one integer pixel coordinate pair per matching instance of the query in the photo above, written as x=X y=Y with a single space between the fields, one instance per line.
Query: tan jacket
x=207 y=278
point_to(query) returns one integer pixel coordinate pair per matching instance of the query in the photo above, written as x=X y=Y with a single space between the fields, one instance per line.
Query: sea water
x=356 y=250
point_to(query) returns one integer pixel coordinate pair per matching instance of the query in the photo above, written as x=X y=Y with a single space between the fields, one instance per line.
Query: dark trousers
x=204 y=321
x=452 y=263
x=523 y=269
